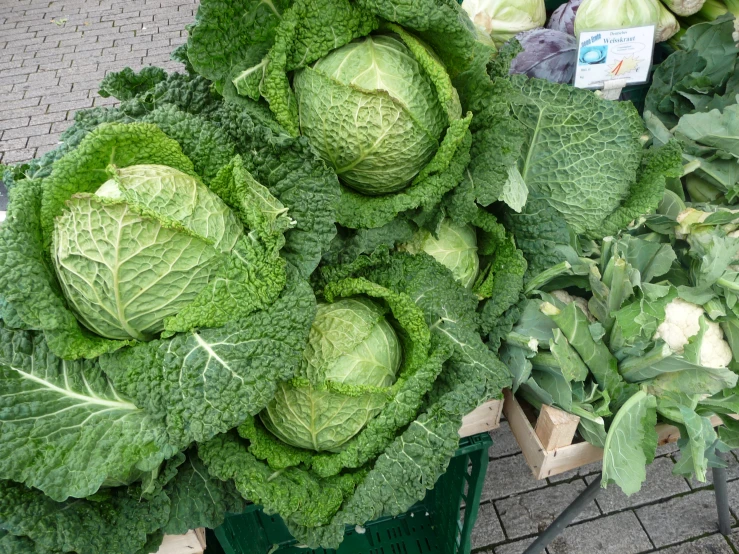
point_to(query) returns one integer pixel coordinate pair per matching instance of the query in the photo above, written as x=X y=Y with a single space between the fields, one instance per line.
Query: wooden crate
x=484 y=418
x=192 y=542
x=557 y=431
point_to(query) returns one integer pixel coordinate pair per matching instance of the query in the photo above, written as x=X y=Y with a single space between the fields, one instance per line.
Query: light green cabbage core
x=353 y=355
x=140 y=249
x=454 y=248
x=372 y=113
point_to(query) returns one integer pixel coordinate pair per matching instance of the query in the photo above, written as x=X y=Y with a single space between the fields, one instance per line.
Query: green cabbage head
x=455 y=247
x=372 y=113
x=597 y=15
x=352 y=358
x=140 y=249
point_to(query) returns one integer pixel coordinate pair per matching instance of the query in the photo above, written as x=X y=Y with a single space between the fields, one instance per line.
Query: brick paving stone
x=30 y=131
x=734 y=539
x=715 y=544
x=660 y=483
x=14 y=144
x=616 y=534
x=504 y=443
x=14 y=122
x=583 y=471
x=680 y=519
x=517 y=547
x=507 y=476
x=487 y=528
x=734 y=497
x=43 y=140
x=532 y=512
x=17 y=156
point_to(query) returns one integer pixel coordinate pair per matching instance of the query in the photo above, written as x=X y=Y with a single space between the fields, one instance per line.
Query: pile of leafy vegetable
x=694 y=99
x=163 y=311
x=644 y=329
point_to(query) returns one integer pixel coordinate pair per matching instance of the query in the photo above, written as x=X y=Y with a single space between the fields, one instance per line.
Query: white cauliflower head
x=682 y=322
x=567 y=298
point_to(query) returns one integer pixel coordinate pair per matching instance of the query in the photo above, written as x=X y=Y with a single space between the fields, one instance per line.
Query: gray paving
x=616 y=534
x=680 y=519
x=532 y=512
x=53 y=53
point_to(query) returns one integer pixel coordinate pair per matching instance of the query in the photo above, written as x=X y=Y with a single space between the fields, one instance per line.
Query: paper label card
x=623 y=55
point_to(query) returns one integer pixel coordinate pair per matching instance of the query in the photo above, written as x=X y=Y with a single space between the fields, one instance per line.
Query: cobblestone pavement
x=52 y=56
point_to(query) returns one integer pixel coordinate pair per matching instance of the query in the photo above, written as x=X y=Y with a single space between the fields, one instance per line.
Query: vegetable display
x=285 y=275
x=693 y=100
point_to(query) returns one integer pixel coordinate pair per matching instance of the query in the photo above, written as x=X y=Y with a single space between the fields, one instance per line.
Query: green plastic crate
x=436 y=525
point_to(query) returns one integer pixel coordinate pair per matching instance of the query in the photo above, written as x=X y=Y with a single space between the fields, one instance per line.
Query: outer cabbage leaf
x=583 y=169
x=231 y=38
x=97 y=435
x=218 y=376
x=631 y=443
x=120 y=522
x=199 y=500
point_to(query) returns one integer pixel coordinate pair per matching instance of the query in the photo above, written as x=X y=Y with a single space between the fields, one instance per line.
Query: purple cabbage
x=563 y=18
x=547 y=54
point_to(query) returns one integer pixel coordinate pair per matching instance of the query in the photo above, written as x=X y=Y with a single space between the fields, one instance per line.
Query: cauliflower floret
x=682 y=322
x=715 y=351
x=567 y=298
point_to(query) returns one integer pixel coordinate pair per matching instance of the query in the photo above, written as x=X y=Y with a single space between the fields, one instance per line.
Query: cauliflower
x=682 y=322
x=567 y=298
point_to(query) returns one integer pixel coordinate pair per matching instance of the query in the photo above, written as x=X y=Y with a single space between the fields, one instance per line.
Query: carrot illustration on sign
x=624 y=66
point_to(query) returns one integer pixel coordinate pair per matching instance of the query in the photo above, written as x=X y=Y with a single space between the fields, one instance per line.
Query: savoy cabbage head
x=372 y=112
x=383 y=91
x=396 y=445
x=349 y=365
x=140 y=249
x=452 y=245
x=95 y=426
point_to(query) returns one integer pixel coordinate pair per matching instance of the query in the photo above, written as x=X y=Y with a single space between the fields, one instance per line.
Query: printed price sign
x=623 y=55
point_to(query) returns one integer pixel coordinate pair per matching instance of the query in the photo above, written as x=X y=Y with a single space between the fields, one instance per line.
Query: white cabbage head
x=503 y=19
x=454 y=248
x=371 y=112
x=353 y=356
x=599 y=15
x=140 y=249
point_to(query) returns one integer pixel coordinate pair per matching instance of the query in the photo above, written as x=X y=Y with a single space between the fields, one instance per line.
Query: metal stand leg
x=722 y=500
x=566 y=517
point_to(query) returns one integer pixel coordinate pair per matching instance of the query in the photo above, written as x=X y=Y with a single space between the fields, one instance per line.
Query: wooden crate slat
x=192 y=542
x=547 y=463
x=555 y=427
x=484 y=418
